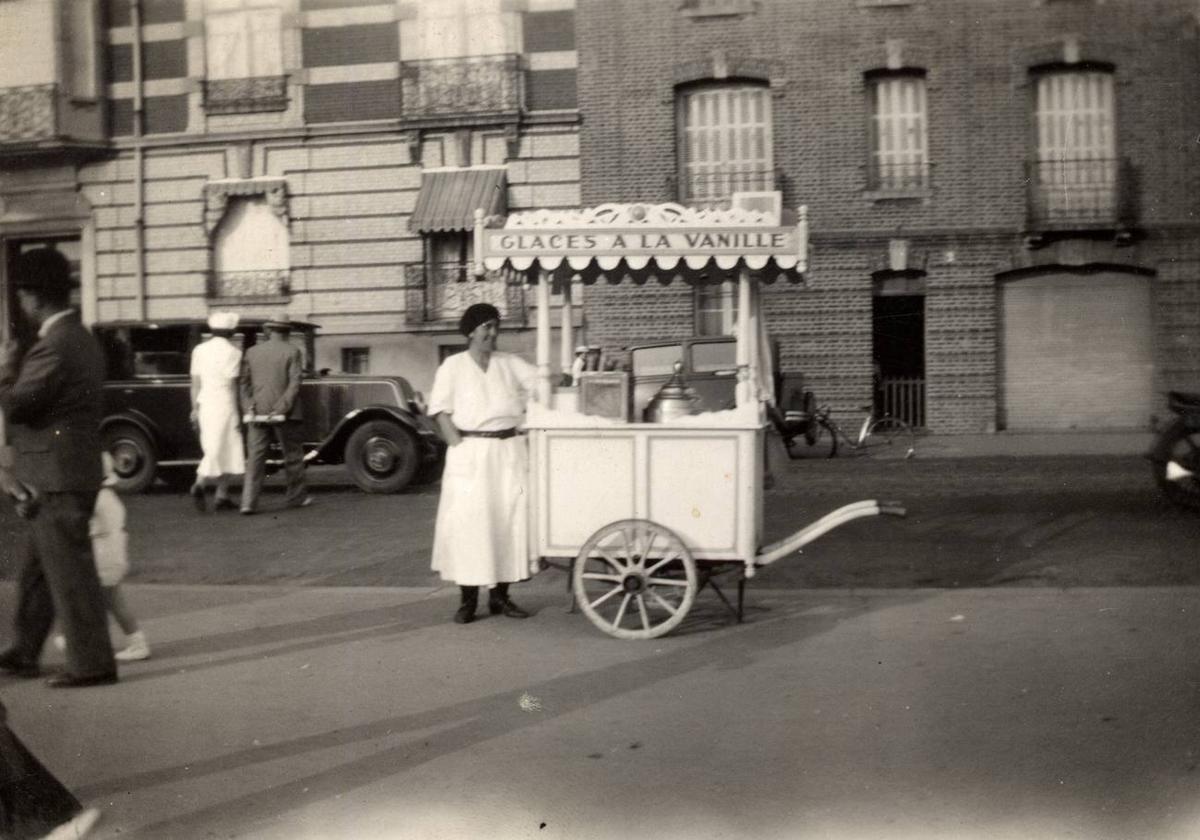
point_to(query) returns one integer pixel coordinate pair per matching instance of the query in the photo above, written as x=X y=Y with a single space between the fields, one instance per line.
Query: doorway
x=898 y=356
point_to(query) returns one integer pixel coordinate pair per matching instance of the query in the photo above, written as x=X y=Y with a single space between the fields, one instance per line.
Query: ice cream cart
x=646 y=513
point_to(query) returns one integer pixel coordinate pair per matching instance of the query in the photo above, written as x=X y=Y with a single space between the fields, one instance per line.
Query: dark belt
x=502 y=434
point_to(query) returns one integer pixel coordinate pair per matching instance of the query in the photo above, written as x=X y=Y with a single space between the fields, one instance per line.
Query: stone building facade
x=1002 y=194
x=307 y=157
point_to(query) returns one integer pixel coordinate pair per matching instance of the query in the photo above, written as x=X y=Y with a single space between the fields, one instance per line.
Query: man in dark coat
x=270 y=386
x=50 y=398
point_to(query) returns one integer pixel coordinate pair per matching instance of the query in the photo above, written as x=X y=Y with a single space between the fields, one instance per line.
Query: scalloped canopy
x=647 y=242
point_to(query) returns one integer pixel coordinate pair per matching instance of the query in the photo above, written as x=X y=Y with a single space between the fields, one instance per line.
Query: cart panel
x=588 y=482
x=702 y=483
x=693 y=489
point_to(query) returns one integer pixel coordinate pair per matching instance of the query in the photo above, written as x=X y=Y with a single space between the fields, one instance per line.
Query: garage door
x=1077 y=352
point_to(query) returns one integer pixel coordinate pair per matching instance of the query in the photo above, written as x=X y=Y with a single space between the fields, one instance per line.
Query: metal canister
x=674 y=399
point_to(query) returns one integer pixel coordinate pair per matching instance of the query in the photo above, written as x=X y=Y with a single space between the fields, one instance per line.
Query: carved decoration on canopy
x=642 y=215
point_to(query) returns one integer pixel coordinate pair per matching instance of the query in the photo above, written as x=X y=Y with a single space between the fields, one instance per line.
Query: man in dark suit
x=50 y=398
x=270 y=390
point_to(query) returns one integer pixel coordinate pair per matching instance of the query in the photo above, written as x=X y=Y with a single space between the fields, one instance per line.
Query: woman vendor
x=479 y=399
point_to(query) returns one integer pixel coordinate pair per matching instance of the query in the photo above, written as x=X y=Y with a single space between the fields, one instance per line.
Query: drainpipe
x=139 y=158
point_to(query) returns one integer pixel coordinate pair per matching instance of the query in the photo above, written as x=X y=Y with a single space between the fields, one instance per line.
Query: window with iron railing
x=1074 y=176
x=726 y=142
x=897 y=121
x=244 y=54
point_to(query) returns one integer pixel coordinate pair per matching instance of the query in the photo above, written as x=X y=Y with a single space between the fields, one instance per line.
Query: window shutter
x=265 y=54
x=727 y=142
x=898 y=132
x=225 y=39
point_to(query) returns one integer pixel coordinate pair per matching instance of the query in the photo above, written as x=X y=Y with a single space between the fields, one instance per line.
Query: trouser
x=289 y=436
x=58 y=578
x=32 y=800
x=470 y=594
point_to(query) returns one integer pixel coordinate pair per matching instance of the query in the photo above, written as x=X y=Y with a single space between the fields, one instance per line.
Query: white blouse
x=483 y=401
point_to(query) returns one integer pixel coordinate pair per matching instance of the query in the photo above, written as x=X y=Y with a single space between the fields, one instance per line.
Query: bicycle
x=814 y=434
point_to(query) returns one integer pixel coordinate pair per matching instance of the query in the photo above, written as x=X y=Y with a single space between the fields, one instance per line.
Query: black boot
x=466 y=612
x=499 y=602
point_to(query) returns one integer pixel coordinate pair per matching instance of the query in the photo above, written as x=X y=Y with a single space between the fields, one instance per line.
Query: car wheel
x=134 y=460
x=382 y=457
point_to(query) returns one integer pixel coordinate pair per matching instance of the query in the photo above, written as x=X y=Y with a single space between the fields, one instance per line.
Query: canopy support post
x=545 y=384
x=745 y=341
x=566 y=329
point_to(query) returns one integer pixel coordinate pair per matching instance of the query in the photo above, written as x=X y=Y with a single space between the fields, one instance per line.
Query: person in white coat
x=479 y=398
x=216 y=365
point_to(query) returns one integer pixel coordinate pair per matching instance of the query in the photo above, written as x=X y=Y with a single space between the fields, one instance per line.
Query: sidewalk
x=312 y=713
x=1033 y=444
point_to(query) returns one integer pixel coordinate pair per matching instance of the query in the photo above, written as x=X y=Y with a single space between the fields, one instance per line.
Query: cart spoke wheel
x=644 y=563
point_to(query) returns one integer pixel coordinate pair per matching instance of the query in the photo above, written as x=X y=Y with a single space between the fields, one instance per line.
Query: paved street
x=1016 y=659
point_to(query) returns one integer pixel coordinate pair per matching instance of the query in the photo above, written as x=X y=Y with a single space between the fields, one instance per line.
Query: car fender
x=333 y=447
x=140 y=422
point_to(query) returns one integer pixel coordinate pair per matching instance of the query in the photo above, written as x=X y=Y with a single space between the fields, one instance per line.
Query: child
x=109 y=543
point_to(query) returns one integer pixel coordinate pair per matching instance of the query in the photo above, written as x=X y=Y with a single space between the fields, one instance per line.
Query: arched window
x=726 y=142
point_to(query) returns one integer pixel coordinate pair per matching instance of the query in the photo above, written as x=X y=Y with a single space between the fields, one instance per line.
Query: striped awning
x=449 y=198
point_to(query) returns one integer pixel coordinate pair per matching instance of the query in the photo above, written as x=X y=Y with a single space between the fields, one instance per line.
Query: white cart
x=647 y=514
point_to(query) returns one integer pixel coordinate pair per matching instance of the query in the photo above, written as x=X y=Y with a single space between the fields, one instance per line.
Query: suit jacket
x=270 y=381
x=51 y=403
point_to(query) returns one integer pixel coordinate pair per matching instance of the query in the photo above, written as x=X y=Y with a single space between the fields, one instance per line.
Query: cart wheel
x=635 y=579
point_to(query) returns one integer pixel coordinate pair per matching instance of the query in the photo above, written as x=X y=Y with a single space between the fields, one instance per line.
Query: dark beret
x=476 y=314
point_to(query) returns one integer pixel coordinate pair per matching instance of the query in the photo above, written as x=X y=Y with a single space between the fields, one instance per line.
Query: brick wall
x=977 y=57
x=356 y=44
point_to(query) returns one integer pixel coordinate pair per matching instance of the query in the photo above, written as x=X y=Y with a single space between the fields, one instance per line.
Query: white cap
x=582 y=348
x=223 y=321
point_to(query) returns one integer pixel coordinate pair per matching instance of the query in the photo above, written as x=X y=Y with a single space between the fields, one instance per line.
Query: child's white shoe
x=59 y=641
x=136 y=648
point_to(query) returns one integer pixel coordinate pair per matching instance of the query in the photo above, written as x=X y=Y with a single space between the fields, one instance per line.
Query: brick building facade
x=271 y=156
x=1002 y=194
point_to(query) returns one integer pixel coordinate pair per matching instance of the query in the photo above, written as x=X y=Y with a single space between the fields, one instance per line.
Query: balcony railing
x=1085 y=193
x=441 y=292
x=713 y=187
x=484 y=84
x=246 y=96
x=897 y=176
x=28 y=114
x=249 y=286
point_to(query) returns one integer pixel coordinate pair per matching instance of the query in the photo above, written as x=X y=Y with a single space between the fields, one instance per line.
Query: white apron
x=480 y=535
x=217 y=364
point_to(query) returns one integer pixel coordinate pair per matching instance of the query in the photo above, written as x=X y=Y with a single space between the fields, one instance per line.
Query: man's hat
x=277 y=323
x=42 y=269
x=223 y=321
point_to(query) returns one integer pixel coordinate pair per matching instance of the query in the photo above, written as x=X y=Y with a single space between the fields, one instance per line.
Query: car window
x=713 y=356
x=656 y=361
x=160 y=363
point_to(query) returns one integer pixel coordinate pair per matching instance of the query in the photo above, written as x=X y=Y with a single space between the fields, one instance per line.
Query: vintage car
x=375 y=425
x=710 y=368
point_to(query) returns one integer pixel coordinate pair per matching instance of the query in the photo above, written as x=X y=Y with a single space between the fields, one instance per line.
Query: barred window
x=1076 y=166
x=898 y=133
x=727 y=142
x=356 y=359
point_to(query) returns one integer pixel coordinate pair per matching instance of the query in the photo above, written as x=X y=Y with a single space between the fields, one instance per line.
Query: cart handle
x=847 y=513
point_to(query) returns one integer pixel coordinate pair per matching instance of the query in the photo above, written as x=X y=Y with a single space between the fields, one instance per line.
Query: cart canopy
x=645 y=242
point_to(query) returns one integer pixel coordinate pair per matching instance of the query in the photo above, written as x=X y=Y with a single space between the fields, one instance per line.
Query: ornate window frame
x=271 y=287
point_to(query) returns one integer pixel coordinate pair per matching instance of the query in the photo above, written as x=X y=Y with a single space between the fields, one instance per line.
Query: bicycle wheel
x=890 y=437
x=824 y=442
